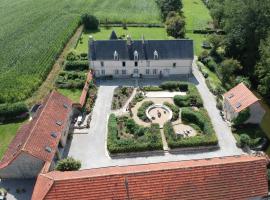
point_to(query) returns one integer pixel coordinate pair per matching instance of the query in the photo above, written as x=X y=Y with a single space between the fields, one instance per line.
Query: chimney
x=128 y=40
x=143 y=39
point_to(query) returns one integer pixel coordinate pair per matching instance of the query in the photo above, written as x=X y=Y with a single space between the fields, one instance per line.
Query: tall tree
x=246 y=22
x=263 y=68
x=167 y=6
x=175 y=26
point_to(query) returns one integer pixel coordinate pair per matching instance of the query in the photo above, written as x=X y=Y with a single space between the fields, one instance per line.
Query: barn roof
x=240 y=97
x=40 y=137
x=167 y=49
x=239 y=177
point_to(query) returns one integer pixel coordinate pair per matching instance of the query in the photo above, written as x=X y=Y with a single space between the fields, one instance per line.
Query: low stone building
x=141 y=58
x=39 y=142
x=240 y=98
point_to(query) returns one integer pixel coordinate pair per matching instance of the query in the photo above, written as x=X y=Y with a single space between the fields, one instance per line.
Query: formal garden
x=153 y=120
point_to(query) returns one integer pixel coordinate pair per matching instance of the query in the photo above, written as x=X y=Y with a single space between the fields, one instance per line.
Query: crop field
x=33 y=32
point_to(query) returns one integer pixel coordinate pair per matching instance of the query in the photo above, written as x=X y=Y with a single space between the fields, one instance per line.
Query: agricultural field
x=135 y=33
x=197 y=15
x=33 y=32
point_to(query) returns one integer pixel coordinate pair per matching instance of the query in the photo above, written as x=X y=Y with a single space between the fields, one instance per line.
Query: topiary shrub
x=76 y=65
x=244 y=140
x=142 y=110
x=68 y=164
x=175 y=110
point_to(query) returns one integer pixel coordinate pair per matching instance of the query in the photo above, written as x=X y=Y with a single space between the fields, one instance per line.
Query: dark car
x=263 y=144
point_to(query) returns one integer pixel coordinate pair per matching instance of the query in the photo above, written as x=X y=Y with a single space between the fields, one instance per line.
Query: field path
x=48 y=84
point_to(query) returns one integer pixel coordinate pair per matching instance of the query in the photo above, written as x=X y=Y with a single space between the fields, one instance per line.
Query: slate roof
x=240 y=97
x=167 y=49
x=239 y=177
x=33 y=137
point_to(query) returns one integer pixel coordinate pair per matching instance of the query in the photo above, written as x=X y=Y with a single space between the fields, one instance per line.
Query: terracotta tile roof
x=35 y=136
x=240 y=97
x=240 y=177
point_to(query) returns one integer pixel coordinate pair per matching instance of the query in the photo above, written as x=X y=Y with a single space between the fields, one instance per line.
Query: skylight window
x=48 y=149
x=231 y=95
x=54 y=134
x=238 y=105
x=59 y=123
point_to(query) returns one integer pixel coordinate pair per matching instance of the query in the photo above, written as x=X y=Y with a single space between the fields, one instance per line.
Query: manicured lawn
x=135 y=33
x=73 y=94
x=7 y=133
x=197 y=15
x=197 y=40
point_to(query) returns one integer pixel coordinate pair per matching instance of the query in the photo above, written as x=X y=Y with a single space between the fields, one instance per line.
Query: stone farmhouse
x=40 y=142
x=235 y=177
x=240 y=98
x=140 y=58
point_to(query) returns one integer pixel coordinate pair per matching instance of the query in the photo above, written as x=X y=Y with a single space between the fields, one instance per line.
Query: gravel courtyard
x=91 y=148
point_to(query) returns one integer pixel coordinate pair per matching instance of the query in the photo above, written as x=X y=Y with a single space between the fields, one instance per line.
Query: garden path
x=91 y=148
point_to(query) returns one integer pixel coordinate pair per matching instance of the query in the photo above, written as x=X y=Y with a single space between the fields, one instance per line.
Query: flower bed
x=198 y=119
x=125 y=136
x=120 y=97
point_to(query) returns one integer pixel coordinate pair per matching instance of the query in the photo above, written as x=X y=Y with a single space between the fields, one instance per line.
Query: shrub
x=219 y=104
x=84 y=56
x=76 y=65
x=152 y=88
x=175 y=26
x=145 y=138
x=72 y=56
x=203 y=55
x=10 y=111
x=244 y=140
x=90 y=22
x=211 y=65
x=68 y=164
x=242 y=117
x=175 y=110
x=141 y=111
x=181 y=101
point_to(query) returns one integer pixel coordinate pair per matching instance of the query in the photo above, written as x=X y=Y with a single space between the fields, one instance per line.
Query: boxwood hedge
x=141 y=111
x=150 y=139
x=199 y=118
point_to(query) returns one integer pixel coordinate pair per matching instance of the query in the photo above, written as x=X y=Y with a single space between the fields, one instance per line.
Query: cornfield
x=33 y=32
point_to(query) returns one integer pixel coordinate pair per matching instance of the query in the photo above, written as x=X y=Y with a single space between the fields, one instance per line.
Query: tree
x=217 y=11
x=167 y=6
x=228 y=69
x=242 y=117
x=113 y=36
x=246 y=23
x=68 y=164
x=216 y=42
x=175 y=26
x=90 y=22
x=263 y=68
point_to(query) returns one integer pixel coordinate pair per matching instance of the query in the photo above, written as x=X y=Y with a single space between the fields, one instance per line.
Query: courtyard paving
x=91 y=148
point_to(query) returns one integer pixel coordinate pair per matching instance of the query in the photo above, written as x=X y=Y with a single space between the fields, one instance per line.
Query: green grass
x=197 y=15
x=197 y=40
x=134 y=32
x=7 y=133
x=73 y=94
x=33 y=32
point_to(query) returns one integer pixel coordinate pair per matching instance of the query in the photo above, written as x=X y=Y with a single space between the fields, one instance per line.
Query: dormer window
x=136 y=55
x=155 y=55
x=115 y=55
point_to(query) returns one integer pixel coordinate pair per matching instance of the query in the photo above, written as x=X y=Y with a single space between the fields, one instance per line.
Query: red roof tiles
x=240 y=97
x=235 y=178
x=35 y=136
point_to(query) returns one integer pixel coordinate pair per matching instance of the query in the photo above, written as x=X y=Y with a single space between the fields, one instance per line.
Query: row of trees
x=247 y=27
x=172 y=16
